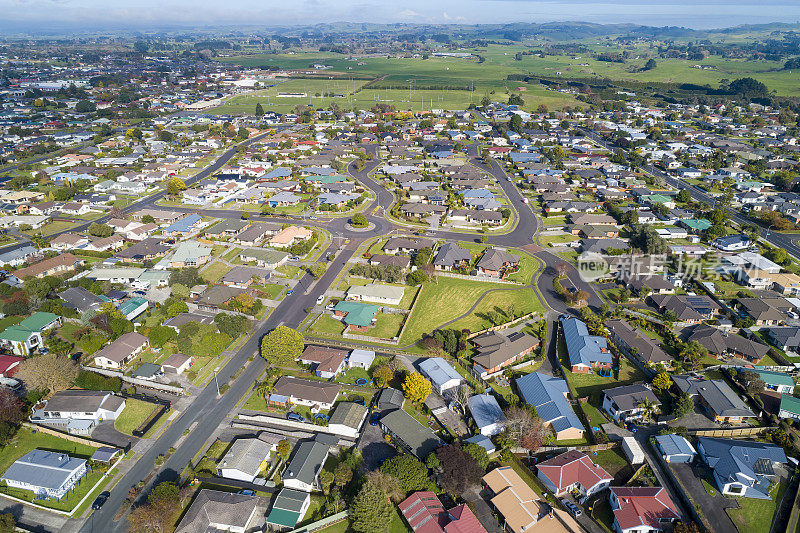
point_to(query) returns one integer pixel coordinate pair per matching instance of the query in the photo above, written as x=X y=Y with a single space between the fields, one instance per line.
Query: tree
x=683 y=405
x=160 y=335
x=100 y=230
x=259 y=110
x=342 y=475
x=692 y=353
x=515 y=124
x=371 y=511
x=48 y=372
x=187 y=276
x=326 y=480
x=662 y=381
x=8 y=524
x=649 y=408
x=284 y=449
x=358 y=220
x=525 y=429
x=175 y=185
x=684 y=196
x=157 y=514
x=459 y=470
x=478 y=453
x=418 y=277
x=747 y=87
x=388 y=484
x=85 y=106
x=148 y=219
x=409 y=472
x=282 y=346
x=416 y=388
x=650 y=65
x=752 y=381
x=382 y=375
x=11 y=408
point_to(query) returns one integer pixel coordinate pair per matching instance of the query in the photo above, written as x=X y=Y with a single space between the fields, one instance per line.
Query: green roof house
x=355 y=315
x=289 y=507
x=790 y=407
x=653 y=199
x=26 y=336
x=133 y=307
x=695 y=224
x=776 y=381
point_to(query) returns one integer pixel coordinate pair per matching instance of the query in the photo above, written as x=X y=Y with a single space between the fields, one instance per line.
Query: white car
x=320 y=299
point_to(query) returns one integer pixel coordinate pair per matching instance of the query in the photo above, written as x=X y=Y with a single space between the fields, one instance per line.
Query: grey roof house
x=741 y=468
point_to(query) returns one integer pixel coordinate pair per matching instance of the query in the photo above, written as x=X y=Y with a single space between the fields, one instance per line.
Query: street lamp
x=766 y=235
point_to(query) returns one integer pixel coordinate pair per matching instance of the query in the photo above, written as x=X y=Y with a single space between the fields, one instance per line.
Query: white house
x=246 y=458
x=443 y=376
x=360 y=359
x=46 y=474
x=487 y=414
x=78 y=411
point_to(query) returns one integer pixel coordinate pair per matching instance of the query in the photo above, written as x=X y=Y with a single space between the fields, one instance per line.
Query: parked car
x=573 y=509
x=373 y=420
x=100 y=500
x=294 y=258
x=320 y=299
x=247 y=492
x=295 y=417
x=289 y=292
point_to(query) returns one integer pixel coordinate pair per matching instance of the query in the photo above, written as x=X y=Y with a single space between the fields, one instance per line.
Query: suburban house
x=133 y=307
x=761 y=311
x=23 y=338
x=246 y=458
x=78 y=411
x=585 y=352
x=359 y=358
x=573 y=470
x=451 y=256
x=741 y=468
x=177 y=364
x=779 y=382
x=488 y=415
x=732 y=243
x=637 y=344
x=687 y=308
x=241 y=277
x=46 y=474
x=81 y=300
x=291 y=390
x=518 y=505
x=184 y=227
x=289 y=508
x=425 y=513
x=720 y=402
x=122 y=351
x=9 y=365
x=625 y=403
x=719 y=343
x=289 y=236
x=356 y=316
x=443 y=376
x=497 y=351
x=377 y=293
x=496 y=263
x=346 y=419
x=327 y=362
x=641 y=509
x=548 y=395
x=264 y=257
x=789 y=407
x=303 y=470
x=214 y=510
x=415 y=438
x=50 y=267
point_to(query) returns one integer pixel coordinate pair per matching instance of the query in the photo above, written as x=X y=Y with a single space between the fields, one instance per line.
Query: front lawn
x=269 y=290
x=528 y=266
x=325 y=324
x=755 y=516
x=591 y=384
x=214 y=272
x=134 y=414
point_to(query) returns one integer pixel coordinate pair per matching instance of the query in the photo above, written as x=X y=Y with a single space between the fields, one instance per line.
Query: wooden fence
x=730 y=432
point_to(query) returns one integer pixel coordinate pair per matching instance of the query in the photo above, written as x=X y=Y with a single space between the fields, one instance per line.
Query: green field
x=523 y=301
x=134 y=414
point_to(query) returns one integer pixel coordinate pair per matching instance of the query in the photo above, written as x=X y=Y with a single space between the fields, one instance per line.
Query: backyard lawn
x=214 y=272
x=387 y=326
x=528 y=266
x=755 y=516
x=134 y=414
x=523 y=301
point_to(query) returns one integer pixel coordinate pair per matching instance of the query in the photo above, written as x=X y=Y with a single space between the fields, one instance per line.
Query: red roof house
x=9 y=365
x=425 y=514
x=573 y=470
x=640 y=508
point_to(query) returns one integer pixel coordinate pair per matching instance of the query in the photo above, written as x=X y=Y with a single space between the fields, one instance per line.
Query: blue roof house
x=741 y=468
x=184 y=227
x=548 y=395
x=46 y=474
x=585 y=351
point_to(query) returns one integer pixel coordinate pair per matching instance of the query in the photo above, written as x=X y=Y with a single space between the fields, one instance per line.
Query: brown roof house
x=327 y=362
x=497 y=351
x=291 y=390
x=50 y=267
x=121 y=352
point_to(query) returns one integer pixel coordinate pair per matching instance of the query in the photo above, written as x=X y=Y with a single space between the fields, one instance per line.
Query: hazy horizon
x=31 y=16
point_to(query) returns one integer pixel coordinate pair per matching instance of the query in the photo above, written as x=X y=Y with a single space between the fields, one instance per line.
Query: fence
x=302 y=426
x=530 y=316
x=320 y=524
x=134 y=381
x=732 y=432
x=487 y=279
x=66 y=436
x=155 y=416
x=587 y=448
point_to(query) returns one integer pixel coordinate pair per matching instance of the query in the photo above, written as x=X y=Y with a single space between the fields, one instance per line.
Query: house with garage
x=246 y=458
x=442 y=375
x=742 y=468
x=573 y=470
x=675 y=448
x=347 y=418
x=119 y=353
x=326 y=362
x=412 y=436
x=497 y=263
x=356 y=316
x=548 y=396
x=635 y=343
x=214 y=510
x=78 y=411
x=48 y=475
x=626 y=403
x=451 y=256
x=496 y=351
x=779 y=382
x=732 y=243
x=302 y=472
x=585 y=352
x=177 y=364
x=424 y=513
x=519 y=506
x=641 y=509
x=488 y=416
x=264 y=257
x=293 y=390
x=719 y=401
x=377 y=293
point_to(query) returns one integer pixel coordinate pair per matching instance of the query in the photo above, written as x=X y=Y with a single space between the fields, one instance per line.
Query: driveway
x=106 y=432
x=483 y=512
x=374 y=449
x=712 y=507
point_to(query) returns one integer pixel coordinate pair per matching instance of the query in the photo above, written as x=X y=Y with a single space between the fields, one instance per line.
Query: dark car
x=247 y=492
x=100 y=500
x=295 y=417
x=373 y=421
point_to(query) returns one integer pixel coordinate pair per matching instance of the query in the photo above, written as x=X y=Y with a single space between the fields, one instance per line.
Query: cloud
x=408 y=14
x=448 y=18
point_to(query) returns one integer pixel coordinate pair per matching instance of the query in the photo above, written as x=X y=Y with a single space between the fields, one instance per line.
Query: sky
x=46 y=15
